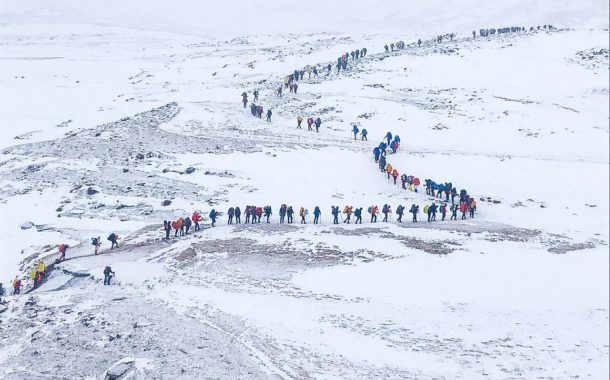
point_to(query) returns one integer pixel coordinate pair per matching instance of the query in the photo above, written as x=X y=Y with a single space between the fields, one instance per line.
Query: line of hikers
x=410 y=182
x=37 y=275
x=255 y=110
x=509 y=29
x=398 y=46
x=363 y=133
x=310 y=122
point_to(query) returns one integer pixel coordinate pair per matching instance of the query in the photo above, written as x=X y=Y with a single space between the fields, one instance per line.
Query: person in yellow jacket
x=388 y=169
x=41 y=267
x=299 y=121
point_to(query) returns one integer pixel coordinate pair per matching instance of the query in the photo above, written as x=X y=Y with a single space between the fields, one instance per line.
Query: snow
x=520 y=291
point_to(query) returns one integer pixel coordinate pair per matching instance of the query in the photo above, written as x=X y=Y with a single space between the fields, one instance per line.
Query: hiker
x=347 y=210
x=296 y=87
x=181 y=224
x=34 y=276
x=108 y=274
x=213 y=214
x=392 y=46
x=373 y=211
x=259 y=112
x=113 y=239
x=364 y=51
x=376 y=153
x=96 y=242
x=388 y=137
x=187 y=224
x=248 y=213
x=176 y=227
x=316 y=215
x=16 y=285
x=237 y=213
x=196 y=218
x=255 y=93
x=432 y=211
x=419 y=43
x=386 y=210
x=290 y=213
x=443 y=211
x=388 y=169
x=355 y=130
x=399 y=211
x=267 y=212
x=382 y=163
x=244 y=99
x=318 y=122
x=414 y=210
x=335 y=212
x=299 y=120
x=358 y=215
x=230 y=214
x=62 y=249
x=309 y=123
x=395 y=175
x=463 y=209
x=309 y=73
x=303 y=214
x=269 y=113
x=315 y=72
x=167 y=229
x=387 y=50
x=454 y=209
x=472 y=207
x=363 y=133
x=329 y=67
x=283 y=209
x=259 y=213
x=41 y=268
x=279 y=92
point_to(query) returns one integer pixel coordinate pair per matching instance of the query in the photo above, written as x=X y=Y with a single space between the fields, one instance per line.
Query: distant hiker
x=296 y=87
x=358 y=215
x=176 y=227
x=310 y=122
x=414 y=210
x=283 y=209
x=244 y=99
x=237 y=213
x=474 y=34
x=388 y=137
x=113 y=239
x=443 y=211
x=355 y=130
x=16 y=285
x=108 y=275
x=419 y=43
x=382 y=163
x=230 y=213
x=187 y=224
x=213 y=215
x=259 y=112
x=279 y=92
x=267 y=212
x=335 y=212
x=454 y=209
x=432 y=212
x=291 y=87
x=259 y=213
x=387 y=50
x=364 y=51
x=316 y=215
x=472 y=207
x=376 y=153
x=299 y=121
x=399 y=211
x=363 y=134
x=196 y=218
x=41 y=269
x=388 y=169
x=386 y=210
x=303 y=214
x=309 y=73
x=373 y=211
x=269 y=113
x=347 y=210
x=96 y=242
x=290 y=213
x=395 y=175
x=318 y=123
x=62 y=249
x=328 y=68
x=463 y=209
x=392 y=46
x=255 y=93
x=315 y=72
x=167 y=229
x=248 y=214
x=181 y=224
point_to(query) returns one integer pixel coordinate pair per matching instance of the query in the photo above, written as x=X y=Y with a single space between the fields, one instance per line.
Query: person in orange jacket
x=196 y=218
x=395 y=175
x=388 y=170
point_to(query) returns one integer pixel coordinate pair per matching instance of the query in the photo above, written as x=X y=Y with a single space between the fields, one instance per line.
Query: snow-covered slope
x=104 y=108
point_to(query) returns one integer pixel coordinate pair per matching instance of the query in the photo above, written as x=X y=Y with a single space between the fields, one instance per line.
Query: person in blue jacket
x=377 y=153
x=388 y=137
x=213 y=215
x=316 y=215
x=358 y=215
x=397 y=138
x=382 y=146
x=363 y=134
x=335 y=212
x=355 y=130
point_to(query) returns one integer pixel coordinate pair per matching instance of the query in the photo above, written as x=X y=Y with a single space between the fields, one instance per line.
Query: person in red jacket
x=196 y=218
x=259 y=213
x=62 y=249
x=463 y=209
x=395 y=175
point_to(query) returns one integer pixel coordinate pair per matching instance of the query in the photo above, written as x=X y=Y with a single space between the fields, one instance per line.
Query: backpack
x=212 y=214
x=111 y=236
x=426 y=208
x=93 y=241
x=370 y=210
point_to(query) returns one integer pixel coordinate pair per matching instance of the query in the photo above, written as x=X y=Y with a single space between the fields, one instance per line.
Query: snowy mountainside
x=109 y=127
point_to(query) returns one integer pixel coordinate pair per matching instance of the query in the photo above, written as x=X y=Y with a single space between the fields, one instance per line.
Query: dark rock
x=166 y=202
x=92 y=191
x=140 y=156
x=189 y=170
